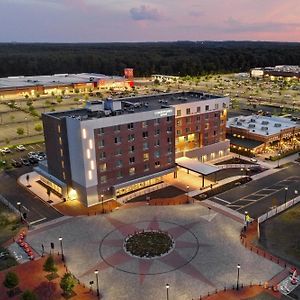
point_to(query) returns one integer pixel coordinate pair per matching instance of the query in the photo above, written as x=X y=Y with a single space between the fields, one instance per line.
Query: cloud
x=196 y=14
x=145 y=13
x=235 y=26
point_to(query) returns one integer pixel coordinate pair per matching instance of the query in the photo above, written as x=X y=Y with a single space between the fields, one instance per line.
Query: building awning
x=245 y=143
x=196 y=166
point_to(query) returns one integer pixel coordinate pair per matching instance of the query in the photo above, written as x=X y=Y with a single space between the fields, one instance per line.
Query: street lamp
x=167 y=287
x=19 y=208
x=102 y=197
x=242 y=172
x=27 y=129
x=187 y=193
x=61 y=248
x=97 y=281
x=278 y=160
x=285 y=195
x=296 y=193
x=238 y=276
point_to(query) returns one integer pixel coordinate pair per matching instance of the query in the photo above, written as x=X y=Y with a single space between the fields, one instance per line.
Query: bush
x=28 y=295
x=67 y=283
x=20 y=131
x=11 y=280
x=49 y=265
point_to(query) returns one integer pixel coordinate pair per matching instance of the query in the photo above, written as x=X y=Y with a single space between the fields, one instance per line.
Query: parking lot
x=259 y=196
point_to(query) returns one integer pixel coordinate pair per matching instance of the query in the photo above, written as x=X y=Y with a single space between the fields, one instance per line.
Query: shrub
x=11 y=280
x=67 y=283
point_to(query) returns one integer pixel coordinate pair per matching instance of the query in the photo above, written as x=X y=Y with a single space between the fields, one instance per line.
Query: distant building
x=285 y=71
x=58 y=84
x=115 y=147
x=165 y=78
x=254 y=133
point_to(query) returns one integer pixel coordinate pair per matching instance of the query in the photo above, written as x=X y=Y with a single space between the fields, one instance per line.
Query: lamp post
x=19 y=209
x=187 y=193
x=61 y=248
x=278 y=160
x=242 y=172
x=238 y=276
x=97 y=282
x=167 y=287
x=27 y=129
x=296 y=193
x=246 y=223
x=285 y=195
x=102 y=197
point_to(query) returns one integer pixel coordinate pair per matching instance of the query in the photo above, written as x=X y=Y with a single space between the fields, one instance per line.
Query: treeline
x=173 y=58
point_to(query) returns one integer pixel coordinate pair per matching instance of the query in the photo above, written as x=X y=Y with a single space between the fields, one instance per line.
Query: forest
x=172 y=58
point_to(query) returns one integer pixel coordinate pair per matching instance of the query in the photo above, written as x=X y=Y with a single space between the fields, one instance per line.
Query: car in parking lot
x=16 y=163
x=25 y=161
x=253 y=159
x=5 y=150
x=33 y=160
x=20 y=148
x=32 y=154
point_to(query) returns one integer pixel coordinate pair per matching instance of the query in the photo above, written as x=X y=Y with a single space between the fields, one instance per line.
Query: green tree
x=38 y=127
x=67 y=283
x=28 y=295
x=20 y=131
x=11 y=280
x=49 y=265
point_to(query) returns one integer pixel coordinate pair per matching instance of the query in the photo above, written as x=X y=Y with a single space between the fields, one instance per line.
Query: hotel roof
x=261 y=125
x=52 y=80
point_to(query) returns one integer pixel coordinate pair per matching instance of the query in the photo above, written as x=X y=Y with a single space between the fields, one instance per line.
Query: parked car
x=33 y=160
x=20 y=148
x=32 y=154
x=41 y=153
x=5 y=150
x=253 y=159
x=25 y=161
x=16 y=163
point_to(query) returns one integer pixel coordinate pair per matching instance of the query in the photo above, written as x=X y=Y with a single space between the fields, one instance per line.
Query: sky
x=153 y=20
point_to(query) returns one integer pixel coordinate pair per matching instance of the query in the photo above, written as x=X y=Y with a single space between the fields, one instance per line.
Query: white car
x=21 y=148
x=253 y=159
x=5 y=150
x=32 y=155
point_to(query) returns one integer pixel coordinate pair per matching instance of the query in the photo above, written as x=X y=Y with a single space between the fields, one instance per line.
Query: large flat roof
x=52 y=80
x=261 y=125
x=196 y=166
x=139 y=104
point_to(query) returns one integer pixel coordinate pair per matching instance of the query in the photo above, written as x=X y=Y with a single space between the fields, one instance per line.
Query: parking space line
x=37 y=221
x=233 y=205
x=217 y=198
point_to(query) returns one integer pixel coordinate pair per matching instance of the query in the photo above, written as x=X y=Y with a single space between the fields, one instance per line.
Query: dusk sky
x=153 y=20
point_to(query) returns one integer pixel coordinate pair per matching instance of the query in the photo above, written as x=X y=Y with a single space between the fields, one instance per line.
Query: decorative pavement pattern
x=206 y=252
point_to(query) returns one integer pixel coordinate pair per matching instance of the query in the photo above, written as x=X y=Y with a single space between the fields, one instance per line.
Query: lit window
x=157 y=164
x=92 y=165
x=131 y=160
x=90 y=175
x=188 y=111
x=84 y=133
x=88 y=153
x=103 y=179
x=102 y=167
x=178 y=112
x=91 y=143
x=132 y=171
x=146 y=156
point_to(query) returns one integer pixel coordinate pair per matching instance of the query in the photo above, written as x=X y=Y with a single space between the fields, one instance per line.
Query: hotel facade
x=112 y=148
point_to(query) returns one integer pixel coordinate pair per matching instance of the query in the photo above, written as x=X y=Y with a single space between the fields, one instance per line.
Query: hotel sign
x=163 y=113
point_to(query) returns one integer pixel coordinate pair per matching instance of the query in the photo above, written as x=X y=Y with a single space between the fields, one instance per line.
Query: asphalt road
x=37 y=211
x=259 y=196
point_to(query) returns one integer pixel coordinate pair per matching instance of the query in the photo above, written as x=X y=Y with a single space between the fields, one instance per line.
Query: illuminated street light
x=187 y=193
x=97 y=281
x=285 y=195
x=278 y=160
x=167 y=287
x=102 y=197
x=238 y=276
x=19 y=208
x=61 y=248
x=296 y=193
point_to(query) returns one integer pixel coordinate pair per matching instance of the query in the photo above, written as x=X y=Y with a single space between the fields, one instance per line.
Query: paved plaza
x=206 y=252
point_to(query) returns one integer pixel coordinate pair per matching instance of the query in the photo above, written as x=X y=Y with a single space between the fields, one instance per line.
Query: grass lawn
x=280 y=235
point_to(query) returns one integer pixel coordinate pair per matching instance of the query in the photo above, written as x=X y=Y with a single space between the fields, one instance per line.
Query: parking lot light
x=285 y=195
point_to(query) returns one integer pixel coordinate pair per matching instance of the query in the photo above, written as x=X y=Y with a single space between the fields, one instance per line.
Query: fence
x=148 y=190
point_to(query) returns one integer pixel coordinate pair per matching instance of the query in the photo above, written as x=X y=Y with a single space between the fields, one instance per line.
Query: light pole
x=167 y=287
x=285 y=195
x=19 y=208
x=27 y=129
x=102 y=197
x=242 y=172
x=187 y=193
x=296 y=193
x=61 y=248
x=278 y=160
x=246 y=223
x=97 y=282
x=238 y=276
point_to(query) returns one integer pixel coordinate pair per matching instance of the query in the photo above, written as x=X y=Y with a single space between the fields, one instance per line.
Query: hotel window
x=132 y=171
x=169 y=140
x=170 y=151
x=178 y=122
x=198 y=118
x=206 y=125
x=206 y=107
x=58 y=128
x=156 y=121
x=101 y=143
x=144 y=124
x=119 y=174
x=187 y=130
x=119 y=163
x=118 y=152
x=178 y=112
x=101 y=131
x=130 y=137
x=146 y=156
x=188 y=120
x=146 y=167
x=131 y=149
x=215 y=133
x=156 y=143
x=206 y=116
x=62 y=164
x=118 y=140
x=197 y=128
x=156 y=154
x=188 y=111
x=145 y=134
x=169 y=119
x=130 y=126
x=102 y=167
x=61 y=152
x=102 y=155
x=117 y=128
x=145 y=146
x=198 y=109
x=178 y=132
x=216 y=106
x=169 y=159
x=60 y=140
x=157 y=131
x=224 y=105
x=157 y=164
x=131 y=160
x=169 y=129
x=103 y=179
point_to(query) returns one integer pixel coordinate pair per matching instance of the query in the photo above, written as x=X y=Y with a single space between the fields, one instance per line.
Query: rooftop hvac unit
x=265 y=122
x=251 y=125
x=239 y=123
x=277 y=125
x=252 y=120
x=264 y=128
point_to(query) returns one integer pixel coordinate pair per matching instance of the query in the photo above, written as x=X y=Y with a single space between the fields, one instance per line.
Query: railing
x=145 y=191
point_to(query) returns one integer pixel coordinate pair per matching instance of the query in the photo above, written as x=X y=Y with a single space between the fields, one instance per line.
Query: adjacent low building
x=255 y=132
x=112 y=148
x=285 y=71
x=59 y=84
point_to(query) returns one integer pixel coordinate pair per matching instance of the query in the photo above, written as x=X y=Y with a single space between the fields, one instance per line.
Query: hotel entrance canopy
x=196 y=166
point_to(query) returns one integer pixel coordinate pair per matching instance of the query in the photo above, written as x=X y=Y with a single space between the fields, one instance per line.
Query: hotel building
x=114 y=147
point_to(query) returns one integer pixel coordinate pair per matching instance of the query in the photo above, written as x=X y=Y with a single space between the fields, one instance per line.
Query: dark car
x=16 y=163
x=33 y=160
x=41 y=153
x=25 y=161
